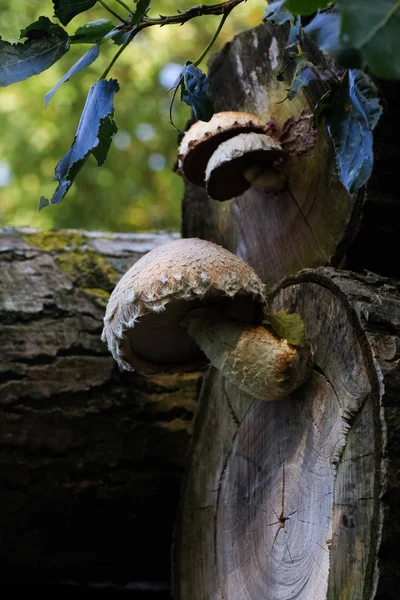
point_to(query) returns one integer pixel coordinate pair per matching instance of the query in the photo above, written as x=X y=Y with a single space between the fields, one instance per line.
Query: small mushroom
x=203 y=138
x=248 y=159
x=190 y=302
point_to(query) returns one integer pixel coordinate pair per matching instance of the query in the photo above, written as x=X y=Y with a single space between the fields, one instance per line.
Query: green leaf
x=305 y=7
x=66 y=10
x=276 y=13
x=194 y=92
x=141 y=8
x=288 y=326
x=46 y=43
x=92 y=32
x=305 y=73
x=93 y=136
x=86 y=60
x=374 y=28
x=350 y=121
x=324 y=30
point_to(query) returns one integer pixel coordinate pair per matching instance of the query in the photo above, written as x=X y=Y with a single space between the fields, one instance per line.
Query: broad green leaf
x=86 y=60
x=350 y=121
x=277 y=14
x=93 y=136
x=194 y=92
x=45 y=44
x=324 y=30
x=374 y=28
x=66 y=10
x=289 y=326
x=305 y=7
x=141 y=8
x=305 y=73
x=92 y=32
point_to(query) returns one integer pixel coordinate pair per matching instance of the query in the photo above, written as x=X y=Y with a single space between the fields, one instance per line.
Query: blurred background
x=136 y=190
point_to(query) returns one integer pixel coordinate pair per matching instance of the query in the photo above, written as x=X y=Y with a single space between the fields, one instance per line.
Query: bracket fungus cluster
x=191 y=302
x=236 y=150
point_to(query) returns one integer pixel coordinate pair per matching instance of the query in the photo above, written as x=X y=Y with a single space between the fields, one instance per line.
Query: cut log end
x=283 y=500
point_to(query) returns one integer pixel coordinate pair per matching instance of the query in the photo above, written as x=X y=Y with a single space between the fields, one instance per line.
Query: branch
x=223 y=8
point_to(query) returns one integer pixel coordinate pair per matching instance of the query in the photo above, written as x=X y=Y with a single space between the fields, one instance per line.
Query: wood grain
x=277 y=232
x=284 y=499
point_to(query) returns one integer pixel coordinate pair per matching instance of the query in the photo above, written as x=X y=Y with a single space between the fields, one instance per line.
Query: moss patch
x=88 y=269
x=98 y=295
x=55 y=239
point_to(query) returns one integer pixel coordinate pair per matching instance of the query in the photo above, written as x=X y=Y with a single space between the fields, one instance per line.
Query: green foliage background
x=125 y=194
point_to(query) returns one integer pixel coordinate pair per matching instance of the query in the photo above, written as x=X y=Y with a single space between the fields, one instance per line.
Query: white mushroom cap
x=203 y=138
x=225 y=170
x=143 y=316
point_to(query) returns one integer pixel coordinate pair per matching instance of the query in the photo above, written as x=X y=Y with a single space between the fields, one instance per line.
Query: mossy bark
x=91 y=457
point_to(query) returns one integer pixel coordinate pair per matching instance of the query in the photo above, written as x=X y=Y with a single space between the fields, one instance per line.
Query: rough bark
x=314 y=222
x=300 y=498
x=91 y=457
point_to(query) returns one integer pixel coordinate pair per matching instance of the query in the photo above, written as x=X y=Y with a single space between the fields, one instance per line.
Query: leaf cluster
x=46 y=42
x=349 y=39
x=357 y=39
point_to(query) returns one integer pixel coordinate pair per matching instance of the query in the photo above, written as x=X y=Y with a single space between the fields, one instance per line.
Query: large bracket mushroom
x=236 y=150
x=190 y=302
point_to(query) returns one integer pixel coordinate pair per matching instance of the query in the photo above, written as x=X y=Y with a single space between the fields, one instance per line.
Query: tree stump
x=315 y=222
x=298 y=498
x=91 y=458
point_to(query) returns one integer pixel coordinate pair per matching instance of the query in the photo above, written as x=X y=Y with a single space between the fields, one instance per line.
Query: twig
x=223 y=8
x=195 y=11
x=211 y=42
x=111 y=11
x=125 y=6
x=120 y=51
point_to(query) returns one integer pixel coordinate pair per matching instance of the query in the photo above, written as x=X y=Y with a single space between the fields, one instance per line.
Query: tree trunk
x=299 y=498
x=91 y=458
x=315 y=222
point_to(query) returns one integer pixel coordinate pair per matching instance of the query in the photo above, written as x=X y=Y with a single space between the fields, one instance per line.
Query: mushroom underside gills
x=157 y=342
x=228 y=180
x=228 y=168
x=195 y=163
x=202 y=139
x=250 y=357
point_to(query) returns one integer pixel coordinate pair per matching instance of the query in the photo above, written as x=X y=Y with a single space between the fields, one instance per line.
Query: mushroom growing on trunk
x=190 y=302
x=235 y=151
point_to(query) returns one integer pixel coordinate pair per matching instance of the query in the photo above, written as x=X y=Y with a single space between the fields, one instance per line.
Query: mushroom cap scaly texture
x=225 y=170
x=142 y=322
x=203 y=138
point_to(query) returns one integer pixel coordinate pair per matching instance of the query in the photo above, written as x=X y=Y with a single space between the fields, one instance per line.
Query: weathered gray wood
x=91 y=457
x=326 y=456
x=298 y=498
x=310 y=223
x=317 y=223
